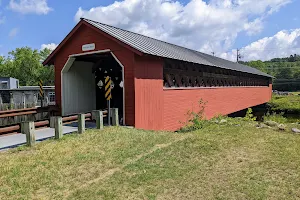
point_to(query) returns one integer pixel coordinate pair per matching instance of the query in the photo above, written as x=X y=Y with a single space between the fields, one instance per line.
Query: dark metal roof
x=159 y=48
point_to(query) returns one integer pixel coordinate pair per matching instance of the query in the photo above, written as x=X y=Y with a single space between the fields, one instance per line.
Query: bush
x=249 y=115
x=287 y=104
x=195 y=120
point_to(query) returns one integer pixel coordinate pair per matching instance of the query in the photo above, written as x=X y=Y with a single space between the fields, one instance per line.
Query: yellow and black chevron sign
x=108 y=88
x=41 y=93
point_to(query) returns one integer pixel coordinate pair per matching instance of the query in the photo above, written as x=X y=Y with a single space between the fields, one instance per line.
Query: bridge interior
x=83 y=84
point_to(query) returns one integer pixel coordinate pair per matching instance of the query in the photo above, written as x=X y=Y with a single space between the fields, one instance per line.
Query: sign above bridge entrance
x=88 y=47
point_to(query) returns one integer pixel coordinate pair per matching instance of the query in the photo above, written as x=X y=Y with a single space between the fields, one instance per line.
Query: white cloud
x=13 y=33
x=282 y=44
x=30 y=6
x=50 y=46
x=205 y=26
x=254 y=27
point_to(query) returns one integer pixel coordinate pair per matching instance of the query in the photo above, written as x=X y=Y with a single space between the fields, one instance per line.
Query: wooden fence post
x=29 y=129
x=115 y=117
x=58 y=127
x=52 y=122
x=98 y=116
x=81 y=123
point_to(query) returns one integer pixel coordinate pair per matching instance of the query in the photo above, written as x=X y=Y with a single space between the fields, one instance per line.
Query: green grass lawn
x=217 y=162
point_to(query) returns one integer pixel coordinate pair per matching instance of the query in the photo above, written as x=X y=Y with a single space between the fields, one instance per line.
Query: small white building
x=9 y=83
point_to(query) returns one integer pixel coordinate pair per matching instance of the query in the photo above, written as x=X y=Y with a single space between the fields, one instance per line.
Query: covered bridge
x=155 y=82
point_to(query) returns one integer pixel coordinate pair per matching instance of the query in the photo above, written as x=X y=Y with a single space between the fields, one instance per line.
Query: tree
x=297 y=74
x=25 y=64
x=1 y=60
x=44 y=53
x=292 y=58
x=285 y=72
x=260 y=65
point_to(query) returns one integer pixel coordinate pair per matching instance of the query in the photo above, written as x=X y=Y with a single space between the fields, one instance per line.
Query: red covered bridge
x=155 y=83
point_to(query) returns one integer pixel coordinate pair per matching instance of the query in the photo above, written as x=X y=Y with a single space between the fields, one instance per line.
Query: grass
x=279 y=118
x=217 y=162
x=288 y=104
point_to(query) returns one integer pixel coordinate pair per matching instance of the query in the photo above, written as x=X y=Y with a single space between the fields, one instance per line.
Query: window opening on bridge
x=178 y=74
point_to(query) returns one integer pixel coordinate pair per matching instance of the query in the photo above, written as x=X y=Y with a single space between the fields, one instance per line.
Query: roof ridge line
x=195 y=51
x=204 y=56
x=143 y=35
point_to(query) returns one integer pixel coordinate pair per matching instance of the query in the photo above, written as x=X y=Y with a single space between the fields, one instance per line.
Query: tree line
x=280 y=68
x=285 y=70
x=25 y=64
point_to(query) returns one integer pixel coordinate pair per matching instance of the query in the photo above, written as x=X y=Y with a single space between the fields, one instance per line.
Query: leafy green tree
x=292 y=59
x=260 y=65
x=25 y=64
x=1 y=60
x=297 y=74
x=285 y=72
x=44 y=53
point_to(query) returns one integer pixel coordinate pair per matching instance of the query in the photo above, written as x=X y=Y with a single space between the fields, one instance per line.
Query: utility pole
x=213 y=53
x=238 y=55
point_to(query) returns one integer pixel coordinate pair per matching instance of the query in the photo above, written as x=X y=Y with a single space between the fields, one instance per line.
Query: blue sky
x=213 y=25
x=286 y=18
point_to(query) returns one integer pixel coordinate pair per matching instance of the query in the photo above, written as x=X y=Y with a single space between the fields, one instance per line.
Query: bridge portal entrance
x=83 y=83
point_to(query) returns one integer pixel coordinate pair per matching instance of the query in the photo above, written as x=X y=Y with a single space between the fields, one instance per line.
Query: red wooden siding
x=86 y=35
x=219 y=101
x=147 y=104
x=148 y=93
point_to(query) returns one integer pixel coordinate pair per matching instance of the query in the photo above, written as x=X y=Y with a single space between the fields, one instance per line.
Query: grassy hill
x=221 y=161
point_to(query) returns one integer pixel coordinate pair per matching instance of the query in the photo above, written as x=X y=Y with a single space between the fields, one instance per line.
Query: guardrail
x=28 y=128
x=16 y=116
x=16 y=128
x=18 y=112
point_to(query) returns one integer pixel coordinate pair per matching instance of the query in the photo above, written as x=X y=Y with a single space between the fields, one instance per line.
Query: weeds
x=249 y=115
x=279 y=118
x=195 y=120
